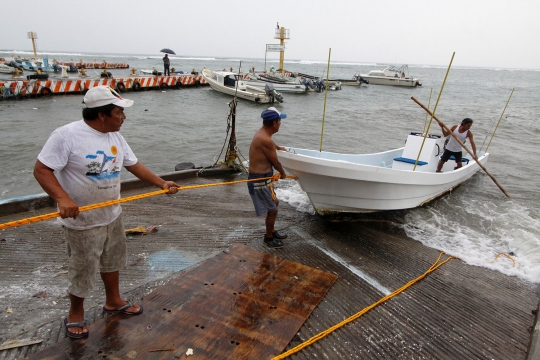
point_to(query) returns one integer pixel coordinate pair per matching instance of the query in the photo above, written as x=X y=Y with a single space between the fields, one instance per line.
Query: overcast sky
x=494 y=33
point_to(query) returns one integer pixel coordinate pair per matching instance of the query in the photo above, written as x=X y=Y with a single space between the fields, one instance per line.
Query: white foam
x=475 y=231
x=508 y=229
x=290 y=192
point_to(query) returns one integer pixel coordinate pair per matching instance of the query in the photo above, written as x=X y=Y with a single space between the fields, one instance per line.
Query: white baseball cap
x=104 y=95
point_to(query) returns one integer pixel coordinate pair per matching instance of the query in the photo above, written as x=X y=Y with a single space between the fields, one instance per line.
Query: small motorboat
x=234 y=84
x=391 y=180
x=298 y=88
x=391 y=75
x=4 y=69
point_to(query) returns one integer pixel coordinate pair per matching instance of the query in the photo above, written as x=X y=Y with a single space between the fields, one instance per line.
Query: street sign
x=275 y=47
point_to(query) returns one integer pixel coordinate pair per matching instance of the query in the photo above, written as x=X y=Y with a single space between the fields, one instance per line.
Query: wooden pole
x=428 y=104
x=462 y=144
x=325 y=93
x=434 y=110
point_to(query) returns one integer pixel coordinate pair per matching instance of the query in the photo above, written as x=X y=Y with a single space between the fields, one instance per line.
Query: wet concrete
x=459 y=311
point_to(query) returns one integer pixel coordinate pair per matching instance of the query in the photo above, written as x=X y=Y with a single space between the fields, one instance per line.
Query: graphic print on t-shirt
x=102 y=165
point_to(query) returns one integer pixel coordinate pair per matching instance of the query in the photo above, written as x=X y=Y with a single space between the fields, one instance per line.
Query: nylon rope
x=322 y=334
x=49 y=216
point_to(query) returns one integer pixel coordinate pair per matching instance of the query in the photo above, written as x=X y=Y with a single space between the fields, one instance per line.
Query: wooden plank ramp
x=240 y=304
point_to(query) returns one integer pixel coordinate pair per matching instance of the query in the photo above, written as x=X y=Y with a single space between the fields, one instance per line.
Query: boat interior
x=403 y=158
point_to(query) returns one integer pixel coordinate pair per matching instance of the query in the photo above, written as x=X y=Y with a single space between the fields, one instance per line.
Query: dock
x=18 y=88
x=457 y=312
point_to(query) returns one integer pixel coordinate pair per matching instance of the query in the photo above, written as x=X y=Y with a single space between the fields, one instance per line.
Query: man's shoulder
x=262 y=137
x=70 y=127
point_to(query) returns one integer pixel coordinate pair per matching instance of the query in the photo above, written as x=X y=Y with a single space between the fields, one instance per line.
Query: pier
x=17 y=88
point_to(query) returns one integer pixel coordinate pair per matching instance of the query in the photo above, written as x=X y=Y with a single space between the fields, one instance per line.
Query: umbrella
x=167 y=51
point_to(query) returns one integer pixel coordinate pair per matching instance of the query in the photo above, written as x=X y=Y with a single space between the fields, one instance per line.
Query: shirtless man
x=262 y=160
x=462 y=132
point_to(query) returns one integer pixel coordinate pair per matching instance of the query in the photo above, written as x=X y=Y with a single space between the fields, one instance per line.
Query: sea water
x=476 y=222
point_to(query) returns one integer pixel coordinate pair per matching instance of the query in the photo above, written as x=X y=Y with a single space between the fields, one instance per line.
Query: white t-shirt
x=87 y=164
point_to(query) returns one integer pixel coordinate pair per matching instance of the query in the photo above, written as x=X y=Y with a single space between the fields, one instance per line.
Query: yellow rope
x=319 y=336
x=508 y=256
x=127 y=199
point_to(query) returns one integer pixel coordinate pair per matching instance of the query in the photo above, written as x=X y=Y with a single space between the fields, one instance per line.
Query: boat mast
x=282 y=34
x=33 y=35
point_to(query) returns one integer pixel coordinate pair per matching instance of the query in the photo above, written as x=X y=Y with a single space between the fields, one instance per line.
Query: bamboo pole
x=325 y=93
x=428 y=104
x=500 y=119
x=462 y=144
x=434 y=110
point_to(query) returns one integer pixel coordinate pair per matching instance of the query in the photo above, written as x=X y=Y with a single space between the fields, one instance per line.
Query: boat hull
x=254 y=95
x=347 y=187
x=392 y=81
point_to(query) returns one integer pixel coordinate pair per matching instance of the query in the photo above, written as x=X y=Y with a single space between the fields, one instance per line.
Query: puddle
x=169 y=260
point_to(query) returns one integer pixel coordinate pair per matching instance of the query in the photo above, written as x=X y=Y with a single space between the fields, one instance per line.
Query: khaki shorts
x=101 y=248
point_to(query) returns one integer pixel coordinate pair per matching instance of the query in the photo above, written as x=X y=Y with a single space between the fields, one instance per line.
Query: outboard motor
x=269 y=90
x=308 y=84
x=360 y=80
x=319 y=85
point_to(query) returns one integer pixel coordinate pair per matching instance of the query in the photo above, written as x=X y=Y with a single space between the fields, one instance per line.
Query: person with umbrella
x=167 y=61
x=166 y=64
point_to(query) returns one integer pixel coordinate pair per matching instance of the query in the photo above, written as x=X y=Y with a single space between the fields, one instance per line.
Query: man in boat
x=453 y=147
x=166 y=64
x=80 y=165
x=262 y=160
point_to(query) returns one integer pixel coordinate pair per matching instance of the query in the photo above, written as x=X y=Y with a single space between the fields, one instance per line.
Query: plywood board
x=240 y=304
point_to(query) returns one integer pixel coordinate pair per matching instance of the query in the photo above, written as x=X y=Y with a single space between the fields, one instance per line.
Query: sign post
x=272 y=48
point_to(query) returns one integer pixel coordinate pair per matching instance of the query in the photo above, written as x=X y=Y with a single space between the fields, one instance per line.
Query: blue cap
x=272 y=114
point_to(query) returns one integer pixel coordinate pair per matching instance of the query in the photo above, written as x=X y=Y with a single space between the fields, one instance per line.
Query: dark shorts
x=447 y=153
x=262 y=194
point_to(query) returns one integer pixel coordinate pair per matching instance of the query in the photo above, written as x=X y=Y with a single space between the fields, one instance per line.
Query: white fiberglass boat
x=391 y=75
x=348 y=183
x=4 y=69
x=233 y=84
x=280 y=87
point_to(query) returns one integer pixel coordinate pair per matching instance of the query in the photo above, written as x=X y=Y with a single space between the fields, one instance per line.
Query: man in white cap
x=80 y=165
x=262 y=160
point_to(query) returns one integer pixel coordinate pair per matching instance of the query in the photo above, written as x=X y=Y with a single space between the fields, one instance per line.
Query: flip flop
x=124 y=309
x=73 y=325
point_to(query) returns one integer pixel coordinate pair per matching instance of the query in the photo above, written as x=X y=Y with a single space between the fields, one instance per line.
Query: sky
x=495 y=33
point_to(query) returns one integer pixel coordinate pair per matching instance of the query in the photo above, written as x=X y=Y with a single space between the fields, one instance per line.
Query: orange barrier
x=79 y=85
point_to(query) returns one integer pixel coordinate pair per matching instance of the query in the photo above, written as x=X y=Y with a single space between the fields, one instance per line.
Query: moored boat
x=280 y=87
x=357 y=183
x=391 y=75
x=4 y=69
x=233 y=84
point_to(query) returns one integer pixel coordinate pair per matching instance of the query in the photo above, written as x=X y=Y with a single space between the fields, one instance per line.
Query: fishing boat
x=233 y=84
x=280 y=87
x=358 y=183
x=391 y=75
x=4 y=69
x=357 y=80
